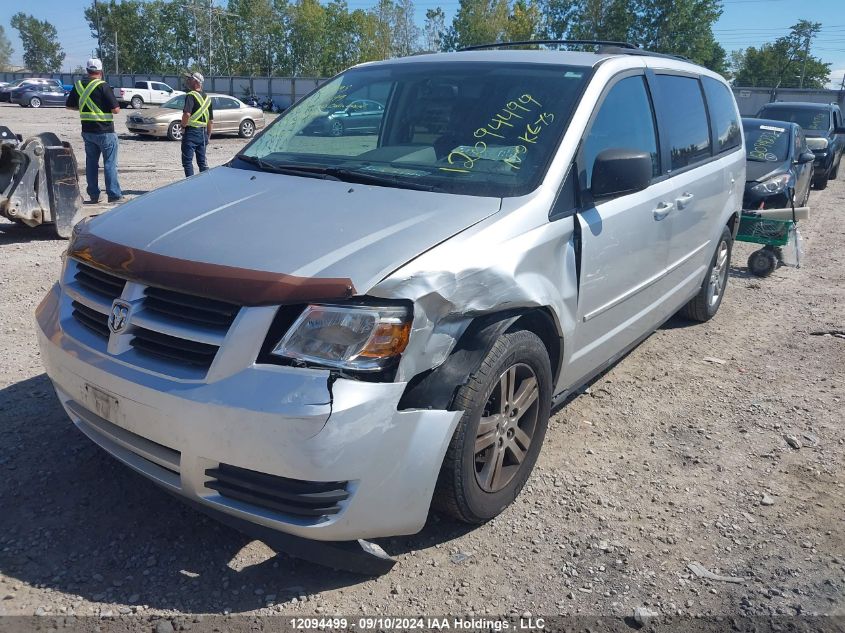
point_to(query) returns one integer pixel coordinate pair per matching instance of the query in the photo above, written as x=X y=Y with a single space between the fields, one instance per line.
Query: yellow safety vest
x=200 y=117
x=88 y=110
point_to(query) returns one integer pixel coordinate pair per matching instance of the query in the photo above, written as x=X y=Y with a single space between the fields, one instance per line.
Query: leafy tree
x=784 y=63
x=477 y=22
x=406 y=33
x=524 y=22
x=434 y=29
x=6 y=49
x=41 y=49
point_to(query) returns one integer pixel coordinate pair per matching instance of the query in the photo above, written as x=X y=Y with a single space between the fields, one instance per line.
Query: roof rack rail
x=608 y=47
x=479 y=47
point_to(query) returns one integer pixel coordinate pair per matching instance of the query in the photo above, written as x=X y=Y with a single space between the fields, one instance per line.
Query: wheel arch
x=436 y=388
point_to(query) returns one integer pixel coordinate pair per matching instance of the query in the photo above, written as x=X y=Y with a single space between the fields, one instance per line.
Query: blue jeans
x=194 y=140
x=104 y=143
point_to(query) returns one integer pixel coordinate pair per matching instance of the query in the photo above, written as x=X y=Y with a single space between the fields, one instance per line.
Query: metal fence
x=283 y=90
x=750 y=100
x=287 y=90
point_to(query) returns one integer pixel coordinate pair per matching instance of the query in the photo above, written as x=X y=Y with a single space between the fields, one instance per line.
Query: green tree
x=434 y=29
x=6 y=50
x=477 y=22
x=41 y=49
x=524 y=22
x=784 y=63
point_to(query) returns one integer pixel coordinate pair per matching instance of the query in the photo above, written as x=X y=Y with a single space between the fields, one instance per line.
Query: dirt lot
x=720 y=444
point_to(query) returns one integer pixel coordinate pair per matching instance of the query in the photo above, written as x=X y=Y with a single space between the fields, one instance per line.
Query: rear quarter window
x=683 y=120
x=723 y=115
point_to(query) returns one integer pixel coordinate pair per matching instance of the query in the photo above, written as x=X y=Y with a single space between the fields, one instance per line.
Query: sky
x=743 y=23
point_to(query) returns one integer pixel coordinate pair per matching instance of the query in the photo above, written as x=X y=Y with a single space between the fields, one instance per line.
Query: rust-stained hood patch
x=340 y=237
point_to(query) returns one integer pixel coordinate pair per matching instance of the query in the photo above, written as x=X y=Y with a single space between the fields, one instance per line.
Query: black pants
x=194 y=140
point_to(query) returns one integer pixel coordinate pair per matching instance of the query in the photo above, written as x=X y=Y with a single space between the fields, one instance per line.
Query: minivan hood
x=290 y=225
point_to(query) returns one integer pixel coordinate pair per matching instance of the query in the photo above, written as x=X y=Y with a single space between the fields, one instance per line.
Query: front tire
x=336 y=128
x=705 y=304
x=246 y=129
x=506 y=405
x=137 y=103
x=175 y=131
x=35 y=102
x=820 y=182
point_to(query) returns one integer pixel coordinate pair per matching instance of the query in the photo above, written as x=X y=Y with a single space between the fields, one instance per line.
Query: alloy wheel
x=35 y=102
x=506 y=428
x=719 y=274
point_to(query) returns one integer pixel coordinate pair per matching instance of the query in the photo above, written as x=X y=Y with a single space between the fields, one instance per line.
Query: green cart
x=773 y=234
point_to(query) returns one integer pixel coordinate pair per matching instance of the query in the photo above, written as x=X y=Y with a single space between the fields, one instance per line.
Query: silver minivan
x=332 y=333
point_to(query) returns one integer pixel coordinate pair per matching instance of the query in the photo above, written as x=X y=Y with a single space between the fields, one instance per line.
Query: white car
x=145 y=93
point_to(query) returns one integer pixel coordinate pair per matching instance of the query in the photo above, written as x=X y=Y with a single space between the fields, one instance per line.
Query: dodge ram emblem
x=119 y=316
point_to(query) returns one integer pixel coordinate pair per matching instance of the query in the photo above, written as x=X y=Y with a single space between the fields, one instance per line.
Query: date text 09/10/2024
x=419 y=623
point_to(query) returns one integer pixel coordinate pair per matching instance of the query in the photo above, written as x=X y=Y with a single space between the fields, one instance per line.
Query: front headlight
x=352 y=337
x=147 y=119
x=772 y=185
x=817 y=143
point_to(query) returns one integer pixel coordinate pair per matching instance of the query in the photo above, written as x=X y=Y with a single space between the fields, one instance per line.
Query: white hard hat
x=196 y=76
x=94 y=64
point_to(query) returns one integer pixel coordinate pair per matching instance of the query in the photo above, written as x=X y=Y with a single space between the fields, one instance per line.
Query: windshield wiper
x=287 y=169
x=369 y=178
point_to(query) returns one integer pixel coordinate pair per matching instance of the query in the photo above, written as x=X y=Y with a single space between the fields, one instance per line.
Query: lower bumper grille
x=309 y=499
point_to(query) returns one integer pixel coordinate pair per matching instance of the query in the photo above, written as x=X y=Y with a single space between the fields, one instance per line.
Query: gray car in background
x=329 y=335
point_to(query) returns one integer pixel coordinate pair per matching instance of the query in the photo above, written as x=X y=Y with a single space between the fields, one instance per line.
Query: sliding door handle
x=663 y=209
x=684 y=200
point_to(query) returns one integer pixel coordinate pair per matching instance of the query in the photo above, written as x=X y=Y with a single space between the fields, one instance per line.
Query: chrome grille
x=99 y=282
x=190 y=308
x=173 y=348
x=91 y=319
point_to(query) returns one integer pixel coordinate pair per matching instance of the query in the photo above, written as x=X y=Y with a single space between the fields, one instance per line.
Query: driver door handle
x=684 y=200
x=663 y=209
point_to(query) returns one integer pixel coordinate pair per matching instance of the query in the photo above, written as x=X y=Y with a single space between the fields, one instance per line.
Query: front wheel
x=336 y=128
x=35 y=102
x=705 y=304
x=174 y=131
x=820 y=182
x=506 y=405
x=137 y=103
x=246 y=129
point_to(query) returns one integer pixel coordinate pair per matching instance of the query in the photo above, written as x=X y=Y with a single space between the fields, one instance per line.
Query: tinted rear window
x=723 y=114
x=808 y=118
x=685 y=120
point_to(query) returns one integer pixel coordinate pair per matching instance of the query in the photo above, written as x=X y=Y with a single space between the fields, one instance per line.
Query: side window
x=222 y=103
x=141 y=85
x=685 y=120
x=624 y=121
x=723 y=115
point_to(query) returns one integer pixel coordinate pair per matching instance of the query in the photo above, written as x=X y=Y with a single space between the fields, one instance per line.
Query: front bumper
x=287 y=422
x=152 y=129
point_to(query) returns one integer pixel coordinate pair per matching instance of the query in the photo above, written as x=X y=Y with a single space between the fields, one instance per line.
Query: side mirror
x=806 y=157
x=620 y=171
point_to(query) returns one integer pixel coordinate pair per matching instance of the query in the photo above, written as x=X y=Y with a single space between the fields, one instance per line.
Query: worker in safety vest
x=97 y=106
x=197 y=120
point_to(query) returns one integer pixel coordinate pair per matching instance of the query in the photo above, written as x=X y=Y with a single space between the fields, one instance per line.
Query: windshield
x=176 y=103
x=464 y=127
x=818 y=120
x=766 y=143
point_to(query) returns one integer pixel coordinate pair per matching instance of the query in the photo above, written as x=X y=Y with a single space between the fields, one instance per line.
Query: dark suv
x=823 y=125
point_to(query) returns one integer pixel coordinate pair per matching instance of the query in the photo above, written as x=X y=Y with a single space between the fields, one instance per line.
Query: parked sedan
x=780 y=165
x=230 y=115
x=46 y=95
x=8 y=93
x=362 y=116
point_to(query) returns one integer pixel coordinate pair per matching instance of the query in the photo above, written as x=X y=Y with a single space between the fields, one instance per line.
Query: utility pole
x=806 y=55
x=116 y=66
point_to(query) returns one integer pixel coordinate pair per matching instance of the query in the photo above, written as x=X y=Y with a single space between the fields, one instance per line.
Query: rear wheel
x=174 y=131
x=137 y=102
x=506 y=405
x=35 y=102
x=820 y=182
x=705 y=304
x=246 y=129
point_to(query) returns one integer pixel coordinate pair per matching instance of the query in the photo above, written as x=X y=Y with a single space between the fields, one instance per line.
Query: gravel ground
x=718 y=444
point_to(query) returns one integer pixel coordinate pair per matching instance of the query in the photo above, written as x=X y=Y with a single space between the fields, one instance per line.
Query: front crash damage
x=39 y=183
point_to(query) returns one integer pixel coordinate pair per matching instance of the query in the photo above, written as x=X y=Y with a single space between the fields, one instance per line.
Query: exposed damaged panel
x=490 y=268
